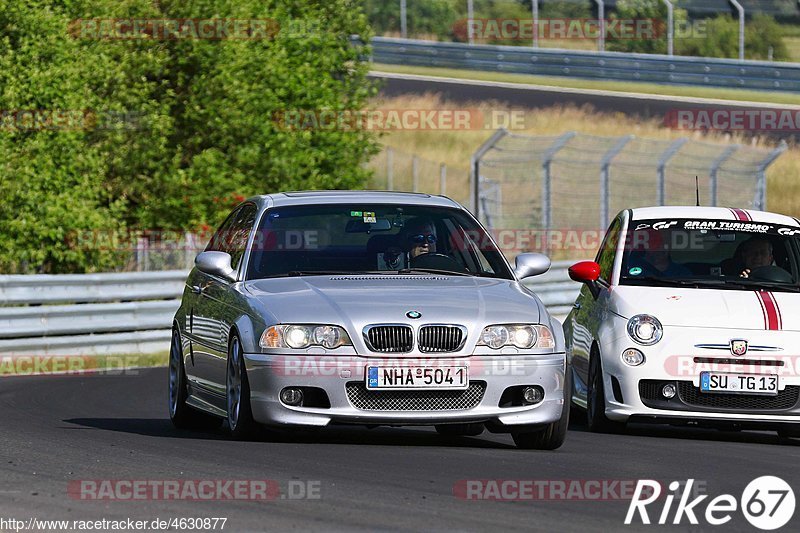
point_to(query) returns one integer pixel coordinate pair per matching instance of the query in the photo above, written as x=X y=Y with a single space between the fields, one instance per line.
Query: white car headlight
x=301 y=336
x=523 y=336
x=645 y=329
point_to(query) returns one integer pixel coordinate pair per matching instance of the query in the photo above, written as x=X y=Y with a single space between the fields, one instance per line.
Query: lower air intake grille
x=690 y=398
x=691 y=395
x=440 y=338
x=415 y=400
x=390 y=339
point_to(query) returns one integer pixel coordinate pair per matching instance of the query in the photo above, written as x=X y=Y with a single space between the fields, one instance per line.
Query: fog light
x=532 y=395
x=292 y=396
x=668 y=391
x=632 y=357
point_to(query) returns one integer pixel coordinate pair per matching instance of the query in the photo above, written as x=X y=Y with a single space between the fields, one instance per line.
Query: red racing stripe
x=772 y=313
x=741 y=214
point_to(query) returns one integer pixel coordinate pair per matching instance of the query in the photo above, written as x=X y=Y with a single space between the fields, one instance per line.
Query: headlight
x=301 y=336
x=645 y=329
x=523 y=336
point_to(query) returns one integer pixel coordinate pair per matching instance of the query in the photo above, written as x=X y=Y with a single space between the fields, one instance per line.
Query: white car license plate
x=415 y=377
x=739 y=383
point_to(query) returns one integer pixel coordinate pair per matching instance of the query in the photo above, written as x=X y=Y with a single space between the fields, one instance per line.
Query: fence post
x=390 y=168
x=740 y=9
x=670 y=26
x=760 y=200
x=485 y=208
x=403 y=20
x=547 y=158
x=671 y=150
x=601 y=39
x=475 y=169
x=728 y=152
x=470 y=16
x=605 y=176
x=443 y=179
x=535 y=13
x=415 y=173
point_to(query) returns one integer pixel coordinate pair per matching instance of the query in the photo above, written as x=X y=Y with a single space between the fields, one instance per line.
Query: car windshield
x=711 y=253
x=374 y=238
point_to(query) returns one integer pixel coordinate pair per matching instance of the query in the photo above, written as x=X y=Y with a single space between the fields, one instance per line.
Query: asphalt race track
x=57 y=429
x=642 y=106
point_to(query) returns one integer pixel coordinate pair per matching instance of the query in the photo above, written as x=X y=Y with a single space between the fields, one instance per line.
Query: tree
x=654 y=11
x=197 y=131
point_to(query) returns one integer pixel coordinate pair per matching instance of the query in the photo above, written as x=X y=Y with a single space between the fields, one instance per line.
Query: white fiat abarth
x=690 y=315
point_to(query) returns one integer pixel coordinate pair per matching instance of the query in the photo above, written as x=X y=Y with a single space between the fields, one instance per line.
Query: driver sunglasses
x=422 y=239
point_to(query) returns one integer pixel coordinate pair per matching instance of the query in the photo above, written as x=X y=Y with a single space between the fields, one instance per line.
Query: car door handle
x=197 y=289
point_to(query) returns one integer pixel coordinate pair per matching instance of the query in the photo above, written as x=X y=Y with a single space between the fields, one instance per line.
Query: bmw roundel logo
x=413 y=314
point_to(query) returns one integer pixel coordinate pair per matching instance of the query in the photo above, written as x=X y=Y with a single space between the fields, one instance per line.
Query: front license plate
x=415 y=377
x=739 y=383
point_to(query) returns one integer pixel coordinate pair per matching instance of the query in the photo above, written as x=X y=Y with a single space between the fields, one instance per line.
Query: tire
x=182 y=415
x=237 y=394
x=460 y=430
x=553 y=435
x=596 y=399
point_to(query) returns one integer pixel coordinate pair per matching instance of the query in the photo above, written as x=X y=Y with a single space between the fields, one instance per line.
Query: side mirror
x=531 y=264
x=215 y=264
x=586 y=272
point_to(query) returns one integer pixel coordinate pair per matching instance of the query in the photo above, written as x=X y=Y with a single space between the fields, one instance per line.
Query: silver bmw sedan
x=309 y=309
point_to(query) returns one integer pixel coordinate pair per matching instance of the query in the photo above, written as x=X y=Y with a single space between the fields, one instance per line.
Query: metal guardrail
x=555 y=288
x=132 y=312
x=662 y=69
x=88 y=314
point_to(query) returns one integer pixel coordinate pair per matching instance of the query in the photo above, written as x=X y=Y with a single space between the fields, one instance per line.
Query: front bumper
x=269 y=374
x=634 y=392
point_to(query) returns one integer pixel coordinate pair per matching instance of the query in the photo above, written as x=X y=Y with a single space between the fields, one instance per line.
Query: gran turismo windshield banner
x=714 y=225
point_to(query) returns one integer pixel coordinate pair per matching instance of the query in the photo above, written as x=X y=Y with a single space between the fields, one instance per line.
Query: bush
x=424 y=17
x=653 y=10
x=204 y=134
x=762 y=33
x=721 y=39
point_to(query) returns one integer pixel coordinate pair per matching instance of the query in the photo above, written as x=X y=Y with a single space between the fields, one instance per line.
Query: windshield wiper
x=676 y=282
x=432 y=271
x=292 y=273
x=756 y=284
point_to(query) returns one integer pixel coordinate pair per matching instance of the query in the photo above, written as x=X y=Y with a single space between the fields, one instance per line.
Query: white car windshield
x=374 y=238
x=711 y=253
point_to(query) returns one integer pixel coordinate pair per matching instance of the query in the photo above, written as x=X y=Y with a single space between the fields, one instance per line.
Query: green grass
x=22 y=365
x=619 y=86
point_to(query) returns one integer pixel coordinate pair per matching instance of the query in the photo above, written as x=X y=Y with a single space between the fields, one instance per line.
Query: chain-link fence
x=554 y=194
x=395 y=170
x=576 y=181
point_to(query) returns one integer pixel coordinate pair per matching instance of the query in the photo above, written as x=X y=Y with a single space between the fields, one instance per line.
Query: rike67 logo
x=767 y=503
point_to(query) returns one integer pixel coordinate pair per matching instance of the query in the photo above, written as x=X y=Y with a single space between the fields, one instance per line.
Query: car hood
x=713 y=308
x=355 y=301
